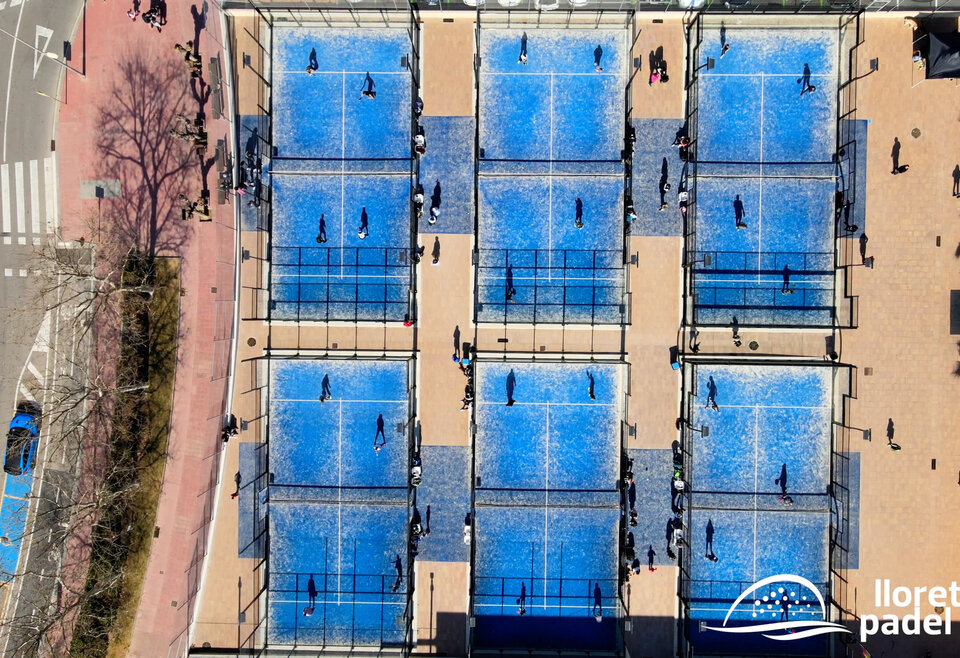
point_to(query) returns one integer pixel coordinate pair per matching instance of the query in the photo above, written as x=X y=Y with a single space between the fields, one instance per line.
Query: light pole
x=47 y=54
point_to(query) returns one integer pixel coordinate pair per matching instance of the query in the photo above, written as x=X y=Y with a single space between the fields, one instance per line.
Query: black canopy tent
x=943 y=55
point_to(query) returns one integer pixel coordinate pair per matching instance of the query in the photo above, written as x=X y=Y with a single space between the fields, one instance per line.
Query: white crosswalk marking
x=50 y=194
x=21 y=211
x=35 y=201
x=28 y=189
x=5 y=192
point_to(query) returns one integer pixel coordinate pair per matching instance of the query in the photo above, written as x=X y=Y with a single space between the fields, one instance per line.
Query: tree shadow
x=134 y=146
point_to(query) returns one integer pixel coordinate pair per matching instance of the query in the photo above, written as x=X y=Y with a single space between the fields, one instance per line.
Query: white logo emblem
x=782 y=603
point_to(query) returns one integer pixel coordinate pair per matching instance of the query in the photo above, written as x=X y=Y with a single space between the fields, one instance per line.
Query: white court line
x=343 y=153
x=34 y=197
x=768 y=75
x=494 y=277
x=399 y=277
x=5 y=193
x=593 y=74
x=344 y=73
x=556 y=404
x=770 y=278
x=21 y=211
x=339 y=497
x=756 y=478
x=760 y=199
x=546 y=506
x=554 y=605
x=398 y=604
x=770 y=406
x=342 y=401
x=50 y=193
x=550 y=188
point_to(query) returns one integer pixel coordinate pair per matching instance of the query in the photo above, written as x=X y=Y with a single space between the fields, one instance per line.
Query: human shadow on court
x=597 y=57
x=253 y=143
x=956 y=181
x=671 y=524
x=804 y=80
x=523 y=48
x=664 y=185
x=435 y=198
x=895 y=154
x=398 y=566
x=511 y=387
x=863 y=247
x=651 y=555
x=738 y=212
x=710 y=555
x=782 y=480
x=890 y=429
x=522 y=599
x=325 y=392
x=510 y=291
x=312 y=591
x=578 y=212
x=364 y=229
x=597 y=600
x=314 y=64
x=456 y=342
x=591 y=386
x=367 y=88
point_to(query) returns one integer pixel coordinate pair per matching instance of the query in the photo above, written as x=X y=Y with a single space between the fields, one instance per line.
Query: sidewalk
x=114 y=142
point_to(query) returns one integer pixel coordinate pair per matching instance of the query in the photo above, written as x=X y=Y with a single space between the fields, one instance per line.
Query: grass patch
x=141 y=430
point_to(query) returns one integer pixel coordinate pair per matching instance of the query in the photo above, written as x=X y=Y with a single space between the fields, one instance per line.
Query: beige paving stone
x=441 y=614
x=661 y=100
x=650 y=604
x=655 y=312
x=445 y=303
x=447 y=64
x=907 y=509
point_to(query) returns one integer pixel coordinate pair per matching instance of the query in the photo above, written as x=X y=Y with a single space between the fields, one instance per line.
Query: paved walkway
x=114 y=127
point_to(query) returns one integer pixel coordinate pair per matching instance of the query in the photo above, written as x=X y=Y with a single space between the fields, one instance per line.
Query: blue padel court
x=765 y=177
x=550 y=188
x=769 y=437
x=751 y=118
x=547 y=505
x=338 y=506
x=341 y=175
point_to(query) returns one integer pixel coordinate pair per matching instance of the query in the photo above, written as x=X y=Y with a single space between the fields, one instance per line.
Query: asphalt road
x=28 y=183
x=31 y=84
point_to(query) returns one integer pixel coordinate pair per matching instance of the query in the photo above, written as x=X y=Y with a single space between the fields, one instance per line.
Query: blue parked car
x=22 y=439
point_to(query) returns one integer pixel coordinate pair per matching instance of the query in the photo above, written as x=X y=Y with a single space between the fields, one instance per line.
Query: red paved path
x=207 y=252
